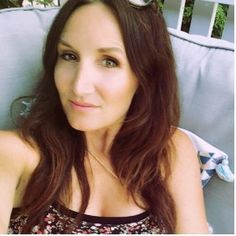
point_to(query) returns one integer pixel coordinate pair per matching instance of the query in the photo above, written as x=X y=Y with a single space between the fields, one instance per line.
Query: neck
x=106 y=168
x=100 y=142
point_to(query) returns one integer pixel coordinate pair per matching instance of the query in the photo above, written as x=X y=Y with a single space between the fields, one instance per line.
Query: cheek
x=56 y=78
x=121 y=90
x=125 y=86
x=62 y=78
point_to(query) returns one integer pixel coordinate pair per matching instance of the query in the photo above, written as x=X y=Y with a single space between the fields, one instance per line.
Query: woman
x=101 y=138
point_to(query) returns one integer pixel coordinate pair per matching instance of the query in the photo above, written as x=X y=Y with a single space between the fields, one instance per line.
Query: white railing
x=203 y=17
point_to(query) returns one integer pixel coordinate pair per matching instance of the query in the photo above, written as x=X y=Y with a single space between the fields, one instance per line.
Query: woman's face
x=92 y=73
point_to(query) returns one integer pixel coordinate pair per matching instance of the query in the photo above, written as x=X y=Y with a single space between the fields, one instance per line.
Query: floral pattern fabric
x=59 y=220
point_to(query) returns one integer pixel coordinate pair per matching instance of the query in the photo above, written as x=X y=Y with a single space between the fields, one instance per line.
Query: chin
x=82 y=127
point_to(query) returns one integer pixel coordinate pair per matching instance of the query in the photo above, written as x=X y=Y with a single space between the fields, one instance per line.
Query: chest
x=108 y=197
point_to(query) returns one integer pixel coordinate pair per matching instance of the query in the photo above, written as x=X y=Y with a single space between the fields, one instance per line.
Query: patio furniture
x=205 y=69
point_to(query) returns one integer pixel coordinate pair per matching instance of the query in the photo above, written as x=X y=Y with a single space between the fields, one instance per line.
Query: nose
x=83 y=83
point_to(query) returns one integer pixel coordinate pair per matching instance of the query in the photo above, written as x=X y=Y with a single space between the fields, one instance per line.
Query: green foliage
x=221 y=14
x=188 y=10
x=160 y=4
x=220 y=21
x=10 y=3
x=43 y=2
x=19 y=3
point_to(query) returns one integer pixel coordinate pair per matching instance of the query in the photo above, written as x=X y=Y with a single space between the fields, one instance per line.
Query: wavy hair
x=140 y=150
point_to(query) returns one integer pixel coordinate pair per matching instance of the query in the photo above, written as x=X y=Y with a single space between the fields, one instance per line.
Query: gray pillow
x=205 y=68
x=22 y=36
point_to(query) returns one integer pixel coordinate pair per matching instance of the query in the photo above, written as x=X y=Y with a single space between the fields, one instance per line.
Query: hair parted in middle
x=140 y=152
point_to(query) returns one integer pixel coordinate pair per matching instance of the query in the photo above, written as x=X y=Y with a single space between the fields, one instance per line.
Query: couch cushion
x=205 y=73
x=205 y=69
x=22 y=35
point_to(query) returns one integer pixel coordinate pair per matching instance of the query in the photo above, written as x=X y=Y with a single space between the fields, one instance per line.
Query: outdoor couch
x=205 y=71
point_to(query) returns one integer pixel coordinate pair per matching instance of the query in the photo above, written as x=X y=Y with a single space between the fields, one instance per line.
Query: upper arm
x=11 y=169
x=185 y=187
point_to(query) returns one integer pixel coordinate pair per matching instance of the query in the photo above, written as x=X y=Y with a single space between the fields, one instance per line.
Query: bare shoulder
x=185 y=186
x=183 y=147
x=15 y=165
x=184 y=159
x=15 y=151
x=11 y=147
x=18 y=159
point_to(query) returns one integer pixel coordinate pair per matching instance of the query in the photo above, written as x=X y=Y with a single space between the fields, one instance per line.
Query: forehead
x=93 y=22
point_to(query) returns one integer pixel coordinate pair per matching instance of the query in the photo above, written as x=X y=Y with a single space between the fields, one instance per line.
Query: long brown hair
x=141 y=149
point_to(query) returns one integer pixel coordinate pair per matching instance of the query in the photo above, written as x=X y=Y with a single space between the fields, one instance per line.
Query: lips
x=81 y=105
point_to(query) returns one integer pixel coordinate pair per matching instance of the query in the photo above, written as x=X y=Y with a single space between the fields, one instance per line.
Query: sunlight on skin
x=93 y=75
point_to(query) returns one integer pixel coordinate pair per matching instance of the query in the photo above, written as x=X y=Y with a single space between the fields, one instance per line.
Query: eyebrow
x=111 y=49
x=61 y=41
x=100 y=50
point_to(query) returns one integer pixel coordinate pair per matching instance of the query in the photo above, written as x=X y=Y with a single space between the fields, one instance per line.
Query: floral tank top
x=59 y=220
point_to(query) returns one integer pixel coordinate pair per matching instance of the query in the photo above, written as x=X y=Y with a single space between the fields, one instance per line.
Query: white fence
x=203 y=17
